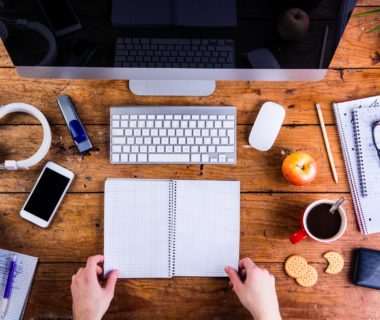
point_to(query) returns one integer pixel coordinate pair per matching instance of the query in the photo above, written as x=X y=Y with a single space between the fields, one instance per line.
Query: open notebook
x=22 y=282
x=366 y=207
x=166 y=228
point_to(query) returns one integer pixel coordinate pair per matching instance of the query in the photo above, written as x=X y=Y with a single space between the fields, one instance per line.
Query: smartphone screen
x=59 y=13
x=47 y=194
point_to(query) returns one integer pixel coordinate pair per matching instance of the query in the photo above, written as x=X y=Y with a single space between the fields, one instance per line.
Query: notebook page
x=371 y=162
x=22 y=282
x=365 y=207
x=136 y=233
x=207 y=227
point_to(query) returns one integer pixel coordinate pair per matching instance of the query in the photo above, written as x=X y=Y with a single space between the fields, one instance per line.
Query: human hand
x=90 y=299
x=255 y=289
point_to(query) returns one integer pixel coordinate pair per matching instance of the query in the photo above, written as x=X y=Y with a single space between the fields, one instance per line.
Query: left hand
x=90 y=299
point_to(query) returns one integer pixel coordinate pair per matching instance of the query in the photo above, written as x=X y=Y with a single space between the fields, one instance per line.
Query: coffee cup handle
x=298 y=236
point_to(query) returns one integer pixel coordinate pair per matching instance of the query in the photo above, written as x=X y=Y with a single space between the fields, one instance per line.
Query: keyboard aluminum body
x=173 y=135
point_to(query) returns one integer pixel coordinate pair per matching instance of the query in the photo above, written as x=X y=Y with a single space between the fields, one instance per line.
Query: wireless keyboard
x=175 y=53
x=166 y=135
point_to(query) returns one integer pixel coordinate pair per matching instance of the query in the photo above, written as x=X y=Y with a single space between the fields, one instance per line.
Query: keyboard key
x=195 y=158
x=132 y=157
x=124 y=157
x=120 y=140
x=205 y=158
x=115 y=157
x=165 y=158
x=225 y=149
x=144 y=149
x=117 y=132
x=116 y=149
x=115 y=124
x=228 y=124
x=224 y=140
x=142 y=157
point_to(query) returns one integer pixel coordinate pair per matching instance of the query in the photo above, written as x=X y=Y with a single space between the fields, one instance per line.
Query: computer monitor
x=160 y=45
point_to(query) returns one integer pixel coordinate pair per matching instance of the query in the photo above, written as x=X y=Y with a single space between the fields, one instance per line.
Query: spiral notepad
x=22 y=282
x=355 y=144
x=368 y=159
x=166 y=228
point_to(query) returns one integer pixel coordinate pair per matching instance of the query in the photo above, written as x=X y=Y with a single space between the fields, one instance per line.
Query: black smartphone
x=61 y=16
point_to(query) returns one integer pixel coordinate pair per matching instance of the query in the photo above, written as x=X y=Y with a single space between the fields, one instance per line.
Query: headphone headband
x=45 y=146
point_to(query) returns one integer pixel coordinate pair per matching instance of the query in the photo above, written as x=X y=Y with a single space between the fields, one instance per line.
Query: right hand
x=90 y=299
x=256 y=290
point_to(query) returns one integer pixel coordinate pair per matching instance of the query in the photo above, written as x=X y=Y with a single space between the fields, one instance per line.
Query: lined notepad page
x=22 y=282
x=370 y=162
x=207 y=227
x=136 y=229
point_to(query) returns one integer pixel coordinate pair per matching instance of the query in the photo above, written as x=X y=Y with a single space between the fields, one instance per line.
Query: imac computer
x=174 y=47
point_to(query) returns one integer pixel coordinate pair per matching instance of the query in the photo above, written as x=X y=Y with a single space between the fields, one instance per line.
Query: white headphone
x=45 y=146
x=23 y=24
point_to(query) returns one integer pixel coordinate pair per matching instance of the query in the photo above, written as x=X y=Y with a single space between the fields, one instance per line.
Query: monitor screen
x=190 y=34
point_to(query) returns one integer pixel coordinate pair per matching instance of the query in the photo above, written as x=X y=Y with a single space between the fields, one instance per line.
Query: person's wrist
x=86 y=316
x=276 y=316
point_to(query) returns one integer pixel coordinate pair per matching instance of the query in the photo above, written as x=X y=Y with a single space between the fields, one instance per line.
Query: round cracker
x=296 y=266
x=336 y=262
x=309 y=279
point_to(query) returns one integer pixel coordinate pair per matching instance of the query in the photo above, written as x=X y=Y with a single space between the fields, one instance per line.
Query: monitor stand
x=172 y=87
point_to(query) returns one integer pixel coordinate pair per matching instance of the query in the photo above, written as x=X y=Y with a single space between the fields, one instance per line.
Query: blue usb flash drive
x=74 y=124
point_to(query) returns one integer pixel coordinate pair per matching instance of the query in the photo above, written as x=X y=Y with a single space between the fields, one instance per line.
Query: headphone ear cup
x=3 y=31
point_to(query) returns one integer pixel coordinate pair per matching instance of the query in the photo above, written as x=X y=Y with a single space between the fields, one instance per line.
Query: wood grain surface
x=270 y=207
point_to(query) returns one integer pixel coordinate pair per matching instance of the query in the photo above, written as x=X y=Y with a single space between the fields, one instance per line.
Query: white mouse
x=267 y=126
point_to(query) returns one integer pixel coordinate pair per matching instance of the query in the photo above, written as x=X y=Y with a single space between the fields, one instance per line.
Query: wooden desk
x=269 y=205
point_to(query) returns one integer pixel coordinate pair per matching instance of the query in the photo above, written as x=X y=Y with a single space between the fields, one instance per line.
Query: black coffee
x=322 y=223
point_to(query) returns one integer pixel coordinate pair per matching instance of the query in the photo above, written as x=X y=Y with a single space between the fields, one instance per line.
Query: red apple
x=299 y=168
x=293 y=24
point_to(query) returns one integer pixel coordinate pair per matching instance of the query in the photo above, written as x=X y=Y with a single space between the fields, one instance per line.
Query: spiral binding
x=172 y=226
x=359 y=154
x=350 y=173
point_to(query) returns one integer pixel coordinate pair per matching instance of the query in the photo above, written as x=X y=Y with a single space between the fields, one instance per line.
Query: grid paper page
x=207 y=227
x=366 y=208
x=136 y=233
x=22 y=282
x=371 y=162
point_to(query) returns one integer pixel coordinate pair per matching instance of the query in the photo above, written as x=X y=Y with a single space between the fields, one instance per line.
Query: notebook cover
x=367 y=268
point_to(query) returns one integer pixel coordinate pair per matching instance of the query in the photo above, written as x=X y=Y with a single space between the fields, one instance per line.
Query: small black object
x=366 y=271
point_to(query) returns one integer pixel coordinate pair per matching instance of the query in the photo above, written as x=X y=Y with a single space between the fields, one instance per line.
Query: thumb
x=111 y=282
x=234 y=277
